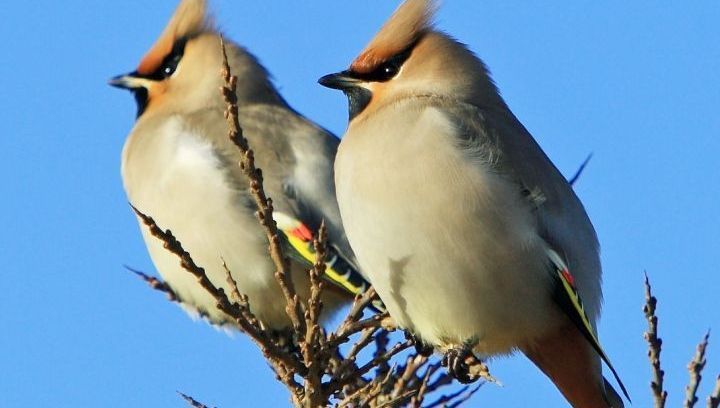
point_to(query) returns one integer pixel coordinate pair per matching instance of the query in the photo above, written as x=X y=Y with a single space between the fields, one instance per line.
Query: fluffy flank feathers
x=190 y=18
x=408 y=22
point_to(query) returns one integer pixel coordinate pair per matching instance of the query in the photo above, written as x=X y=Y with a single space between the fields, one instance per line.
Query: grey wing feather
x=268 y=131
x=495 y=136
x=498 y=138
x=296 y=158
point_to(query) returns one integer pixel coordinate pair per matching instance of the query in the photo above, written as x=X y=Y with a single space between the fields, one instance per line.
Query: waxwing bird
x=470 y=235
x=179 y=166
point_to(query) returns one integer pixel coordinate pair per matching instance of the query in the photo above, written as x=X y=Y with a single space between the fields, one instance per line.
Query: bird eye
x=389 y=69
x=170 y=63
x=385 y=71
x=168 y=68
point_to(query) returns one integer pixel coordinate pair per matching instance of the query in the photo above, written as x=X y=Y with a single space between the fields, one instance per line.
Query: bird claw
x=454 y=361
x=464 y=366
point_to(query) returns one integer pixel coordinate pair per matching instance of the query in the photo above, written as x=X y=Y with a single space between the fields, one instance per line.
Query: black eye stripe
x=387 y=70
x=172 y=60
x=169 y=63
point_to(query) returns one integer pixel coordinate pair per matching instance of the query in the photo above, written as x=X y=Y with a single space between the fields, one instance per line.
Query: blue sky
x=635 y=84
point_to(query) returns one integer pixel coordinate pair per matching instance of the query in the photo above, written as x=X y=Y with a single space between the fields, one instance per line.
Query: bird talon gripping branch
x=456 y=361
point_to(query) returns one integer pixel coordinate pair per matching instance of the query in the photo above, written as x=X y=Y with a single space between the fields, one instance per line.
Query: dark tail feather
x=611 y=396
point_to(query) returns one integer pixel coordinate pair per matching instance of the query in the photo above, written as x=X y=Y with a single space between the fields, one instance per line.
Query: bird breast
x=173 y=173
x=449 y=244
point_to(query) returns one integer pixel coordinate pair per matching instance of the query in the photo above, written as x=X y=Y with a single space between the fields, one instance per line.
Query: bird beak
x=129 y=81
x=341 y=80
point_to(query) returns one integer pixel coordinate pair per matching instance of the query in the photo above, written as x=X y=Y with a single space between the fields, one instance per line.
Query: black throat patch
x=141 y=99
x=358 y=100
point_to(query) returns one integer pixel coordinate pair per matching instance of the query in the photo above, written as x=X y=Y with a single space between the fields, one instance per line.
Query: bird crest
x=190 y=18
x=405 y=26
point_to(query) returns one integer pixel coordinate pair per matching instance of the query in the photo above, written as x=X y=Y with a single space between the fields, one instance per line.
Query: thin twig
x=695 y=367
x=714 y=398
x=463 y=398
x=286 y=363
x=234 y=291
x=419 y=398
x=241 y=300
x=348 y=367
x=404 y=381
x=374 y=392
x=316 y=273
x=156 y=284
x=580 y=170
x=192 y=401
x=455 y=399
x=312 y=344
x=370 y=391
x=338 y=383
x=442 y=380
x=348 y=328
x=397 y=401
x=654 y=347
x=381 y=343
x=263 y=203
x=359 y=304
x=366 y=337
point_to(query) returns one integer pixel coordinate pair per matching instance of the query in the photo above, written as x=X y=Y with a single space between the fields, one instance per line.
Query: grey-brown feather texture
x=180 y=167
x=496 y=137
x=278 y=136
x=455 y=212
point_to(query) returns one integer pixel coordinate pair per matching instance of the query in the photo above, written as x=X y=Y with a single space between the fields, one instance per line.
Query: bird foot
x=454 y=361
x=464 y=366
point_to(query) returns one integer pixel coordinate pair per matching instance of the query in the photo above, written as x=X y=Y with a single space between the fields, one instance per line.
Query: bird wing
x=567 y=296
x=494 y=137
x=497 y=139
x=269 y=130
x=339 y=270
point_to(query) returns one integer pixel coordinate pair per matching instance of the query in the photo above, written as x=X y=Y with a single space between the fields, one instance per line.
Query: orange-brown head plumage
x=409 y=22
x=180 y=72
x=409 y=57
x=190 y=19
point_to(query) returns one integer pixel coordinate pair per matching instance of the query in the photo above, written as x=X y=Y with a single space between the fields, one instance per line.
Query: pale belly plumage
x=450 y=247
x=176 y=177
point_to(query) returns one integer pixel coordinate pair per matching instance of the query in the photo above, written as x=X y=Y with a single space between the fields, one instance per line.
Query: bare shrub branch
x=714 y=398
x=315 y=371
x=284 y=364
x=192 y=401
x=156 y=284
x=695 y=367
x=654 y=347
x=263 y=203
